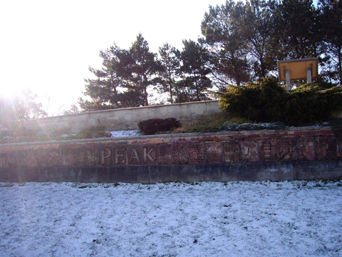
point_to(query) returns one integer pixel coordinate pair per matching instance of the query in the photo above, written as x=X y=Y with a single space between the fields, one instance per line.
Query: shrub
x=261 y=102
x=310 y=103
x=267 y=101
x=153 y=126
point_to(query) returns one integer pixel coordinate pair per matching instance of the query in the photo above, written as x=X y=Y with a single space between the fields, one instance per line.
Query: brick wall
x=301 y=153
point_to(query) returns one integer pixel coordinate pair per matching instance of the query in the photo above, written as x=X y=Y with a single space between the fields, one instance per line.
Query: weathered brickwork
x=223 y=148
x=230 y=148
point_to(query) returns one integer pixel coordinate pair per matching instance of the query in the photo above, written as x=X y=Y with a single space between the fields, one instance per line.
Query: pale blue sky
x=48 y=45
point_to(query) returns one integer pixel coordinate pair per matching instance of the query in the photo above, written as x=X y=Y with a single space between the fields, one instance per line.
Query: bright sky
x=48 y=46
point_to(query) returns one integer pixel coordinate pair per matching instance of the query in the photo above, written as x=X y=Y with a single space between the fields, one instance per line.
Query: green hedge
x=267 y=101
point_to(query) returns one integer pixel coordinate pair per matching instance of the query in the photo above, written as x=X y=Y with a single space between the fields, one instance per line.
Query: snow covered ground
x=175 y=219
x=125 y=133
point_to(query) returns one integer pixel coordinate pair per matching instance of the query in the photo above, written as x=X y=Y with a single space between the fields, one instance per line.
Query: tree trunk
x=340 y=64
x=171 y=100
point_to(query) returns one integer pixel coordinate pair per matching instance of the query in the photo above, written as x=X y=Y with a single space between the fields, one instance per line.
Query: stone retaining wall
x=301 y=153
x=128 y=118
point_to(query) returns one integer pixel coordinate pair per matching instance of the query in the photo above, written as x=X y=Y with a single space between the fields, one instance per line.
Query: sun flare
x=10 y=92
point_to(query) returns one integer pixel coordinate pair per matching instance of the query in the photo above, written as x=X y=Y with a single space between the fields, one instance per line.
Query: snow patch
x=125 y=133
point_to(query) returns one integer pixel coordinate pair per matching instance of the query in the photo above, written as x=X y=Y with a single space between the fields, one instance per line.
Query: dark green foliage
x=241 y=42
x=228 y=49
x=123 y=79
x=258 y=30
x=153 y=126
x=107 y=89
x=310 y=103
x=194 y=71
x=267 y=101
x=141 y=68
x=260 y=102
x=170 y=60
x=245 y=38
x=184 y=74
x=330 y=19
x=298 y=34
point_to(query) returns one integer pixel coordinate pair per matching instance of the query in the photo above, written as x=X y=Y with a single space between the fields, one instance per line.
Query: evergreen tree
x=331 y=19
x=297 y=31
x=227 y=48
x=242 y=41
x=194 y=70
x=170 y=60
x=123 y=79
x=141 y=68
x=107 y=90
x=256 y=27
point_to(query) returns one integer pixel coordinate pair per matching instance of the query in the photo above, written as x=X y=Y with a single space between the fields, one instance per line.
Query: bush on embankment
x=154 y=126
x=267 y=101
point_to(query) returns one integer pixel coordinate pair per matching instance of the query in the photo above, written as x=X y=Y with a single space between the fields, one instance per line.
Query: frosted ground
x=125 y=133
x=176 y=219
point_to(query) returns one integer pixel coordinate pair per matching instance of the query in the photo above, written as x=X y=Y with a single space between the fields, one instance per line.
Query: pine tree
x=256 y=27
x=170 y=60
x=194 y=70
x=103 y=91
x=296 y=28
x=331 y=19
x=123 y=79
x=227 y=48
x=141 y=68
